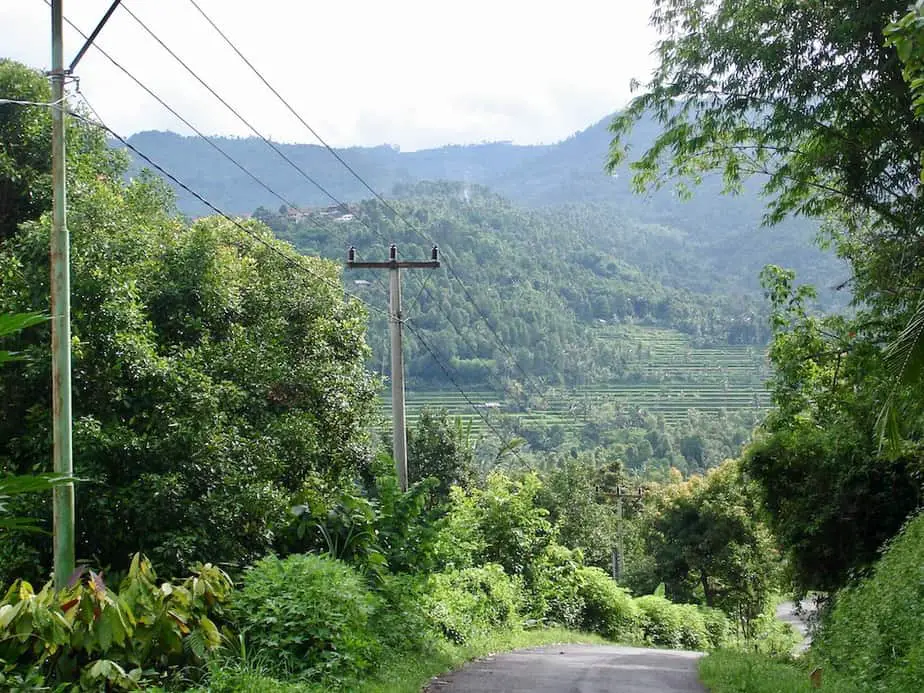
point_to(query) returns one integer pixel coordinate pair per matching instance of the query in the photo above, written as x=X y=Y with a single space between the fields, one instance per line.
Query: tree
x=708 y=543
x=25 y=150
x=442 y=449
x=11 y=485
x=216 y=374
x=813 y=97
x=834 y=495
x=807 y=93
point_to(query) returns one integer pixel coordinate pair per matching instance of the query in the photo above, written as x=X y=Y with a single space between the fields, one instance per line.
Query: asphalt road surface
x=577 y=669
x=797 y=615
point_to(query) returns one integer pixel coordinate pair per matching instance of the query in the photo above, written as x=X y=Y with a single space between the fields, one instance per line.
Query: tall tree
x=216 y=374
x=808 y=96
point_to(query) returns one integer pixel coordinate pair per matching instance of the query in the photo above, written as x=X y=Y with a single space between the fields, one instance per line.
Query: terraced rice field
x=678 y=378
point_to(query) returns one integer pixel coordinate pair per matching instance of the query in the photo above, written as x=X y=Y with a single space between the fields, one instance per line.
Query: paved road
x=577 y=669
x=798 y=619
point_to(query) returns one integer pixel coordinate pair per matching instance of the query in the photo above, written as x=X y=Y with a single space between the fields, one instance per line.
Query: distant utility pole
x=62 y=421
x=618 y=555
x=399 y=432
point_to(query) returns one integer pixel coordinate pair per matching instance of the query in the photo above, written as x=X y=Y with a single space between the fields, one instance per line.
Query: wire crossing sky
x=412 y=73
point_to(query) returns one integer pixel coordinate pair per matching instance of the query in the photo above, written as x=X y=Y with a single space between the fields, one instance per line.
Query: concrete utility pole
x=63 y=498
x=62 y=418
x=399 y=432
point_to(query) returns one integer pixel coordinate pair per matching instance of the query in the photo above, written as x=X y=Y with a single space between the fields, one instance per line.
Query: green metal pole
x=63 y=500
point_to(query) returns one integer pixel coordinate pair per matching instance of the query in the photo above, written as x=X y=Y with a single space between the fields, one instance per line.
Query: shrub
x=101 y=639
x=662 y=621
x=875 y=633
x=555 y=591
x=718 y=627
x=312 y=612
x=473 y=601
x=694 y=635
x=608 y=608
x=401 y=622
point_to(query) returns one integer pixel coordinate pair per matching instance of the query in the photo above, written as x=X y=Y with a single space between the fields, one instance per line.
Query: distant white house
x=345 y=217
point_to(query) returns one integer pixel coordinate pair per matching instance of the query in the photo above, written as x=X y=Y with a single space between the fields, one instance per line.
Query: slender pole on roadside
x=62 y=454
x=395 y=319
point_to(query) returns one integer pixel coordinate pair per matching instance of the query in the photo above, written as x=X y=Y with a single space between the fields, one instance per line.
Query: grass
x=404 y=674
x=733 y=671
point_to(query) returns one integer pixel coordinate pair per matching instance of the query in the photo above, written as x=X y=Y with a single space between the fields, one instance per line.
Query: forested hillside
x=545 y=282
x=720 y=233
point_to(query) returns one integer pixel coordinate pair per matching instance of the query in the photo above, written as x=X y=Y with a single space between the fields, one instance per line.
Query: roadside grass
x=733 y=671
x=397 y=674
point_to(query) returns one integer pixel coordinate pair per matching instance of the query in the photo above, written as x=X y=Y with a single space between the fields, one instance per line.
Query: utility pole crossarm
x=395 y=319
x=393 y=262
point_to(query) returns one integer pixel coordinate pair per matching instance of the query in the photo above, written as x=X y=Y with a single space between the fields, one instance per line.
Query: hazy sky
x=416 y=73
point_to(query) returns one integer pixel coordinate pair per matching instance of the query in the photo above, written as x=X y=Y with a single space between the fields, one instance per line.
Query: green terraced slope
x=676 y=377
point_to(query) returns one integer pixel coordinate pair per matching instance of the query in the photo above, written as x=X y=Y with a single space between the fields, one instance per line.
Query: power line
x=269 y=143
x=99 y=123
x=179 y=117
x=362 y=181
x=233 y=110
x=468 y=295
x=250 y=232
x=448 y=374
x=292 y=110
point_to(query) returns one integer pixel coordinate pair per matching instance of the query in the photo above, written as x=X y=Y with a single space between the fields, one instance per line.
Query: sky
x=409 y=73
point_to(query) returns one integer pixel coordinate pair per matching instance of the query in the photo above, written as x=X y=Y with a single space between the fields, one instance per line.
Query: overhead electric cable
x=250 y=232
x=449 y=376
x=368 y=187
x=179 y=117
x=231 y=108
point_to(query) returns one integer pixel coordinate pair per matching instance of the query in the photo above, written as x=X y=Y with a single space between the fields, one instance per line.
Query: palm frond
x=13 y=322
x=904 y=361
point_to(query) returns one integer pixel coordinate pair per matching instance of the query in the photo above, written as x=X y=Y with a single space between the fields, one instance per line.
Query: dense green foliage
x=871 y=640
x=144 y=633
x=784 y=92
x=215 y=374
x=225 y=411
x=541 y=288
x=707 y=541
x=874 y=636
x=463 y=604
x=833 y=492
x=312 y=612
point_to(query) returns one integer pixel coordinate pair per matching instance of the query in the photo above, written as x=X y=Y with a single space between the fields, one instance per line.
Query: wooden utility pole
x=399 y=428
x=618 y=555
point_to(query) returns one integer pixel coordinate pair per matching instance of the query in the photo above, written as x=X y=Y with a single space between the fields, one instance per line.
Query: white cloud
x=417 y=73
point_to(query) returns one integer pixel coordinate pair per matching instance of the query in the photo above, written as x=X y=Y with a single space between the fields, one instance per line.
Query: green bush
x=555 y=591
x=679 y=626
x=401 y=622
x=473 y=601
x=312 y=612
x=771 y=636
x=875 y=633
x=99 y=639
x=661 y=621
x=718 y=627
x=694 y=635
x=608 y=608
